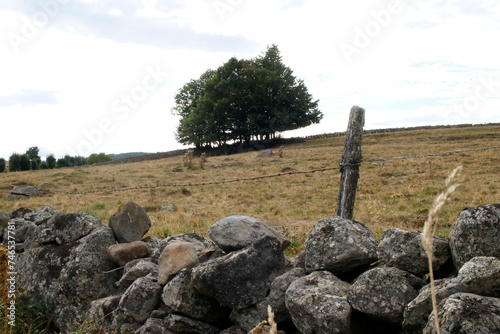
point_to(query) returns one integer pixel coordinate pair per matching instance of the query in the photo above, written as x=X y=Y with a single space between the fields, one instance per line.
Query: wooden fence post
x=349 y=165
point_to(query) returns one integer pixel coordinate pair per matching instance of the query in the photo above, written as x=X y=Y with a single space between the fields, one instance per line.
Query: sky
x=87 y=76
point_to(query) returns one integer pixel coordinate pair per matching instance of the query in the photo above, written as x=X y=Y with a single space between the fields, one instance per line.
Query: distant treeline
x=32 y=161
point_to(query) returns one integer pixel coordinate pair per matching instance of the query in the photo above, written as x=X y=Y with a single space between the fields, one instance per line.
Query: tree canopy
x=243 y=100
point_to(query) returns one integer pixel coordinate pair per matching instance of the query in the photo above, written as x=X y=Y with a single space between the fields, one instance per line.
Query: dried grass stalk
x=430 y=226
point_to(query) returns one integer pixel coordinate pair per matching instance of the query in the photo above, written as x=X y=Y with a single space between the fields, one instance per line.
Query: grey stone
x=130 y=222
x=265 y=154
x=19 y=213
x=154 y=326
x=237 y=232
x=382 y=293
x=233 y=330
x=403 y=249
x=317 y=304
x=74 y=273
x=171 y=208
x=24 y=192
x=123 y=253
x=481 y=276
x=276 y=297
x=101 y=311
x=476 y=233
x=141 y=298
x=180 y=296
x=176 y=256
x=247 y=318
x=4 y=219
x=339 y=245
x=241 y=278
x=140 y=269
x=183 y=324
x=466 y=313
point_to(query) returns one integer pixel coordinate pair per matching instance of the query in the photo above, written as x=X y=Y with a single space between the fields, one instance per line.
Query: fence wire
x=254 y=178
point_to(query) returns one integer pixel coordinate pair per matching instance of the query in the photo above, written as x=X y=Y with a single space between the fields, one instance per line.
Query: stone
x=183 y=324
x=76 y=272
x=171 y=208
x=123 y=253
x=176 y=256
x=130 y=222
x=276 y=297
x=480 y=276
x=24 y=192
x=19 y=213
x=4 y=219
x=204 y=246
x=140 y=269
x=476 y=233
x=241 y=278
x=180 y=296
x=247 y=318
x=339 y=245
x=237 y=232
x=233 y=330
x=265 y=154
x=466 y=313
x=141 y=299
x=403 y=249
x=317 y=304
x=101 y=311
x=154 y=326
x=383 y=294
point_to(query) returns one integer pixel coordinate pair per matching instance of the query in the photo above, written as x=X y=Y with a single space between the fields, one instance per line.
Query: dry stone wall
x=343 y=281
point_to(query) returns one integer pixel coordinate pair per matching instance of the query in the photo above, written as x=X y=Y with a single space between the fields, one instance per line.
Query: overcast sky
x=87 y=76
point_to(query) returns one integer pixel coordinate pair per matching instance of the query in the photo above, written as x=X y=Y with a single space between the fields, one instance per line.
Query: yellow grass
x=399 y=196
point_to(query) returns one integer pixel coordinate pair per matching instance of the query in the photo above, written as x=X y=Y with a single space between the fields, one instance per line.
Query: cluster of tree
x=32 y=161
x=243 y=100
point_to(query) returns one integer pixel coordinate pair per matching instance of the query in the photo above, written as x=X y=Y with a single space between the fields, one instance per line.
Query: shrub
x=51 y=161
x=14 y=162
x=25 y=162
x=2 y=165
x=44 y=165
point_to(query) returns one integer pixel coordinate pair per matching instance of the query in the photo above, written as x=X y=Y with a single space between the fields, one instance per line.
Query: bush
x=44 y=165
x=15 y=162
x=51 y=161
x=97 y=158
x=25 y=162
x=34 y=165
x=2 y=165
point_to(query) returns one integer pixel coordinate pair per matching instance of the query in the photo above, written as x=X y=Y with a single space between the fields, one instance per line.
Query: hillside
x=397 y=195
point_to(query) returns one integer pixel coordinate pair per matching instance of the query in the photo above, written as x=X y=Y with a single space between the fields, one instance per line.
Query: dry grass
x=430 y=225
x=399 y=196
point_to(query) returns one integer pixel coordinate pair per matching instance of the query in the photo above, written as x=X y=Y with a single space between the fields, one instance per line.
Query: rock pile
x=343 y=281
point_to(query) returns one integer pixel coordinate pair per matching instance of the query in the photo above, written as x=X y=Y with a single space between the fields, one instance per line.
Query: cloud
x=29 y=97
x=151 y=23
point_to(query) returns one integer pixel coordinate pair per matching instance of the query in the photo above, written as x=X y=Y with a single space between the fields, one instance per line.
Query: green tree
x=97 y=158
x=244 y=100
x=2 y=165
x=51 y=161
x=44 y=165
x=32 y=152
x=24 y=162
x=14 y=162
x=34 y=164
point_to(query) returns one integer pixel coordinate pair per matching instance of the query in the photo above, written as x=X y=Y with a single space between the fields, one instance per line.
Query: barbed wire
x=196 y=184
x=182 y=185
x=384 y=160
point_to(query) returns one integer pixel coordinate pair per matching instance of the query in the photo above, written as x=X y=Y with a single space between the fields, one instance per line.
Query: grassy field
x=400 y=195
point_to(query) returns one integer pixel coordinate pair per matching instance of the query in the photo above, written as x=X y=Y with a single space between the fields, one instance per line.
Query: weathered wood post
x=350 y=163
